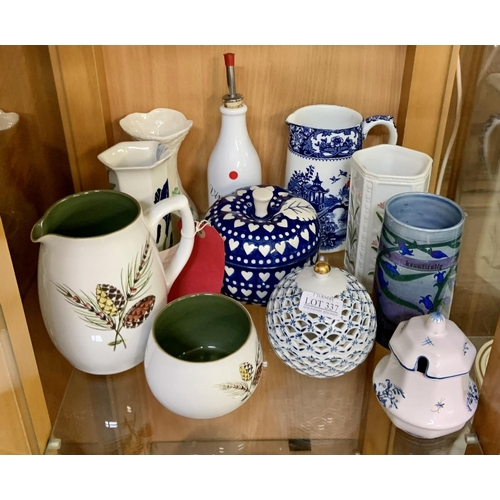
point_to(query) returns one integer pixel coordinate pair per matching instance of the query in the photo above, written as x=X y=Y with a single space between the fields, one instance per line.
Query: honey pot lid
x=265 y=226
x=436 y=342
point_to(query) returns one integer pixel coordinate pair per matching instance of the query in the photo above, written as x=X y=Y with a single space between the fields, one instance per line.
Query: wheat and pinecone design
x=108 y=308
x=249 y=375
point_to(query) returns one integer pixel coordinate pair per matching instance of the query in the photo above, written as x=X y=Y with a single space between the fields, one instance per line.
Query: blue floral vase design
x=162 y=194
x=416 y=266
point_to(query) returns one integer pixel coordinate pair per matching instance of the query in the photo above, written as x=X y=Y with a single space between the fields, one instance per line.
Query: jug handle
x=386 y=120
x=153 y=216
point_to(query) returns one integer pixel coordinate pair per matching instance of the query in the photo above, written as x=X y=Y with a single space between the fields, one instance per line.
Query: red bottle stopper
x=229 y=59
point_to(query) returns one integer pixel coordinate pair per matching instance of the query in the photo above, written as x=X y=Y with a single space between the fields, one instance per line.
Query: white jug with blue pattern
x=322 y=139
x=424 y=385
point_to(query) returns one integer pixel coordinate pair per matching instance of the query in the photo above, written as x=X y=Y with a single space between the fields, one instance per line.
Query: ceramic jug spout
x=38 y=232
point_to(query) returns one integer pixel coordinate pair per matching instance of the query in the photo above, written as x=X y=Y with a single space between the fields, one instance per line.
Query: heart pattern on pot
x=260 y=251
x=280 y=247
x=249 y=248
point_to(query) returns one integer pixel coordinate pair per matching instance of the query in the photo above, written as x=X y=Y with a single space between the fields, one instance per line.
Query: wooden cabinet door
x=24 y=418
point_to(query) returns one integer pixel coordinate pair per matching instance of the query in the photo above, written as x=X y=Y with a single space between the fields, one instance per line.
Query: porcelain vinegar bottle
x=234 y=162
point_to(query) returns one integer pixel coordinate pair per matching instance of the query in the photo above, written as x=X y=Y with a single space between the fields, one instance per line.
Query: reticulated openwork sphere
x=317 y=345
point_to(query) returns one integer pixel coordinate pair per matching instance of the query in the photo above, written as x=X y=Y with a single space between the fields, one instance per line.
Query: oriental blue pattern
x=324 y=144
x=318 y=170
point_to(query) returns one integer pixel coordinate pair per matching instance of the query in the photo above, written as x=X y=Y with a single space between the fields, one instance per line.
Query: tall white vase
x=377 y=174
x=169 y=127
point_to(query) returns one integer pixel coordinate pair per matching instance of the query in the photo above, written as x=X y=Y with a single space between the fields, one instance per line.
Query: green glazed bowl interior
x=202 y=327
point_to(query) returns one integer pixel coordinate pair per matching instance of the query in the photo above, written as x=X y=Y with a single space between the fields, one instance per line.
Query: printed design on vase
x=377 y=227
x=466 y=348
x=472 y=396
x=404 y=265
x=324 y=144
x=352 y=234
x=107 y=309
x=250 y=376
x=387 y=393
x=386 y=118
x=331 y=208
x=162 y=194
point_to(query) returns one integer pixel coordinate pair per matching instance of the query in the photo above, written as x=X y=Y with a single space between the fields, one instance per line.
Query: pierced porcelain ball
x=321 y=321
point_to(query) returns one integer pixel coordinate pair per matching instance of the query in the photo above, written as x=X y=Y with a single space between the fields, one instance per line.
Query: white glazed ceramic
x=170 y=128
x=203 y=358
x=8 y=120
x=321 y=321
x=424 y=384
x=142 y=169
x=322 y=139
x=101 y=281
x=234 y=162
x=164 y=125
x=377 y=174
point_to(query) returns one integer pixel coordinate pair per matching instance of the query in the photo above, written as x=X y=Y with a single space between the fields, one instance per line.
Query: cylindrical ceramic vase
x=417 y=259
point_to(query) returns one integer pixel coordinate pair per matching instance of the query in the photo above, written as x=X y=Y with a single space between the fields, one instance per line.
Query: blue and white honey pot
x=423 y=385
x=267 y=232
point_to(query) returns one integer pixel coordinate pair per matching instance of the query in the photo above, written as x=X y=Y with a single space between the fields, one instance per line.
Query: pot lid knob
x=322 y=266
x=261 y=199
x=436 y=323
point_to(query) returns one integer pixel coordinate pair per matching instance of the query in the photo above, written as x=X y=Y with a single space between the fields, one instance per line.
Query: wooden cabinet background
x=96 y=86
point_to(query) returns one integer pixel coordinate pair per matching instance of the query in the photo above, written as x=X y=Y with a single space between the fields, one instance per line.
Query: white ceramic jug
x=101 y=280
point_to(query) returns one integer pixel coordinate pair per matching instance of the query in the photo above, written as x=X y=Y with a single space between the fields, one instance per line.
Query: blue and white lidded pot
x=423 y=385
x=267 y=233
x=321 y=321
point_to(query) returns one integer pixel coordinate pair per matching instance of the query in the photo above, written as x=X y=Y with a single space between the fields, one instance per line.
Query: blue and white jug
x=322 y=139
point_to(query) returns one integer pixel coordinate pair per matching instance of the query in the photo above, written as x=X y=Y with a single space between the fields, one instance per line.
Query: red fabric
x=204 y=271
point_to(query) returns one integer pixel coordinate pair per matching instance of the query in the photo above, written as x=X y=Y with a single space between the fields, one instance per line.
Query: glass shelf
x=289 y=413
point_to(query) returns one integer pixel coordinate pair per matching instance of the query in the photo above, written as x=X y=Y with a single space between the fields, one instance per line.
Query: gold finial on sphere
x=322 y=267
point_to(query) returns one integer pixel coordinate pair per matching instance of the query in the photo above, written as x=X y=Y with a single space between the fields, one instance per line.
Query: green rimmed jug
x=101 y=280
